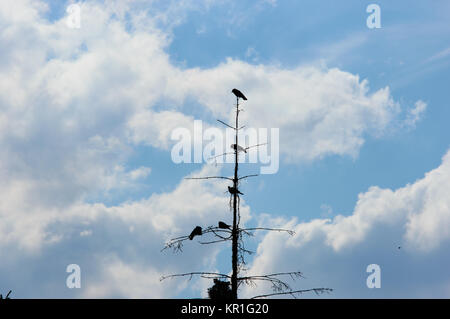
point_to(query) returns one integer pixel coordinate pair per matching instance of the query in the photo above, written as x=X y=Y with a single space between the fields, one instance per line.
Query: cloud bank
x=76 y=103
x=405 y=231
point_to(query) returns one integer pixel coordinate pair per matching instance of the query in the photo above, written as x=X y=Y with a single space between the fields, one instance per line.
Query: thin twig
x=227 y=153
x=191 y=274
x=290 y=232
x=249 y=147
x=226 y=124
x=214 y=241
x=292 y=293
x=214 y=231
x=296 y=273
x=247 y=176
x=208 y=177
x=177 y=243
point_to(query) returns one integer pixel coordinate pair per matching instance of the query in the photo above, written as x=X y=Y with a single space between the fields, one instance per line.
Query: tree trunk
x=234 y=283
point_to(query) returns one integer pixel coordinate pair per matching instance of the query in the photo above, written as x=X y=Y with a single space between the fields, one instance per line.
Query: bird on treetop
x=233 y=190
x=197 y=231
x=239 y=94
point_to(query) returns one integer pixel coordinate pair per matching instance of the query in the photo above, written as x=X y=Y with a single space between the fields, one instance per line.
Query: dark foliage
x=220 y=290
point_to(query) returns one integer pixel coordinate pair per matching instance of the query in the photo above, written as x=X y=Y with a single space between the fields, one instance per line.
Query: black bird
x=224 y=226
x=233 y=190
x=239 y=148
x=238 y=94
x=197 y=231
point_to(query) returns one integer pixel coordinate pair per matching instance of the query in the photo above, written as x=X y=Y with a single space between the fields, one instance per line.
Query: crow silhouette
x=224 y=226
x=233 y=190
x=239 y=94
x=239 y=148
x=197 y=231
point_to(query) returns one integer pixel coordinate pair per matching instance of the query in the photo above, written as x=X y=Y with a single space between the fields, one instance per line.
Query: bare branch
x=226 y=124
x=214 y=241
x=293 y=275
x=209 y=177
x=200 y=273
x=279 y=286
x=247 y=176
x=177 y=243
x=216 y=229
x=290 y=232
x=292 y=293
x=227 y=153
x=249 y=147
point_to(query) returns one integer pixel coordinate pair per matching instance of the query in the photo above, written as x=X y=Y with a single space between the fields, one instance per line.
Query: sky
x=86 y=122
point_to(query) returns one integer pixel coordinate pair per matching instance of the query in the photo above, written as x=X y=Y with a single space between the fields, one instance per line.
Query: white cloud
x=103 y=80
x=86 y=233
x=440 y=55
x=415 y=114
x=319 y=112
x=76 y=102
x=139 y=173
x=131 y=281
x=415 y=218
x=117 y=243
x=252 y=54
x=155 y=128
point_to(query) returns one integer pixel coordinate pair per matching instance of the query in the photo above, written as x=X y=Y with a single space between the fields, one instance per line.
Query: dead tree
x=234 y=233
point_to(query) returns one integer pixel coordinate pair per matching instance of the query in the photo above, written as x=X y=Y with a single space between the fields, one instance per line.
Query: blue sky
x=86 y=117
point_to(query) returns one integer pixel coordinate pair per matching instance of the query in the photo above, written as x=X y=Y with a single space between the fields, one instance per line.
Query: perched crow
x=239 y=148
x=233 y=190
x=239 y=94
x=224 y=226
x=197 y=231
